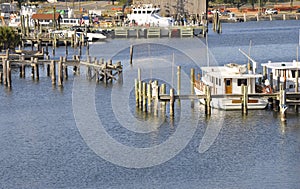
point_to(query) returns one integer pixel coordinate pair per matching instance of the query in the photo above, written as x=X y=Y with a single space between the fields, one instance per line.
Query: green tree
x=9 y=38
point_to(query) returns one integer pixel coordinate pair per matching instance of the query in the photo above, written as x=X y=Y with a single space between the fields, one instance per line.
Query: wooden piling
x=36 y=69
x=4 y=67
x=65 y=66
x=163 y=103
x=297 y=81
x=172 y=100
x=271 y=81
x=282 y=102
x=53 y=72
x=244 y=100
x=144 y=94
x=136 y=87
x=131 y=54
x=1 y=77
x=60 y=73
x=265 y=76
x=179 y=80
x=156 y=99
x=8 y=74
x=192 y=85
x=140 y=93
x=207 y=101
x=149 y=96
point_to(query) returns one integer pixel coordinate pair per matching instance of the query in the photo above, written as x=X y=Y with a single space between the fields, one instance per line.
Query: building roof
x=45 y=16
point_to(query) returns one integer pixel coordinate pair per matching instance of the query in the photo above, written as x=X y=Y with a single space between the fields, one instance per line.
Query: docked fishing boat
x=286 y=73
x=228 y=79
x=148 y=15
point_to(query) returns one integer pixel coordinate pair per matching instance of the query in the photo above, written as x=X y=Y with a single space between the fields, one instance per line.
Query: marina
x=124 y=113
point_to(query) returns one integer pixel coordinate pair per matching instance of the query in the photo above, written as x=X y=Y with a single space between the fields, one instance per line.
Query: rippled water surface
x=50 y=137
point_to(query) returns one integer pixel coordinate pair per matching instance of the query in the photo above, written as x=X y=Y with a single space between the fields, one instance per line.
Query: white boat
x=285 y=73
x=89 y=35
x=148 y=15
x=228 y=79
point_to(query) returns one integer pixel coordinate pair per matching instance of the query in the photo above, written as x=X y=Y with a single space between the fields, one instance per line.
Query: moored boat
x=228 y=79
x=284 y=73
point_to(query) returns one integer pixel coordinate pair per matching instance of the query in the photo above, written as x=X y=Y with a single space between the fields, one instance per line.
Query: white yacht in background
x=148 y=15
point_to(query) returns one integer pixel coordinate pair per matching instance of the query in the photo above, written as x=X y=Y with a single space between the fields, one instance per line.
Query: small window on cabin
x=139 y=12
x=144 y=12
x=228 y=82
x=148 y=12
x=293 y=73
x=217 y=81
x=242 y=81
x=291 y=86
x=220 y=82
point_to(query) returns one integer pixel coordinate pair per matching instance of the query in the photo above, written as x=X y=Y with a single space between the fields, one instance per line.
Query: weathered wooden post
x=149 y=95
x=140 y=93
x=207 y=101
x=296 y=87
x=4 y=67
x=271 y=80
x=156 y=97
x=144 y=97
x=192 y=85
x=60 y=72
x=53 y=72
x=163 y=92
x=110 y=70
x=172 y=100
x=1 y=77
x=283 y=106
x=136 y=89
x=131 y=54
x=36 y=67
x=32 y=67
x=66 y=45
x=8 y=74
x=265 y=76
x=244 y=99
x=297 y=81
x=178 y=79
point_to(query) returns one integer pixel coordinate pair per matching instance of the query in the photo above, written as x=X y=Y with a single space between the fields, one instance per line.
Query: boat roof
x=229 y=72
x=282 y=65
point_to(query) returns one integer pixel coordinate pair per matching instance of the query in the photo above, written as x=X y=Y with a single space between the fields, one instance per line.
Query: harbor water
x=90 y=135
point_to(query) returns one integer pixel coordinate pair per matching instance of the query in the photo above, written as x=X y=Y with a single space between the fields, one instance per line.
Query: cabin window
x=135 y=12
x=219 y=81
x=148 y=12
x=144 y=12
x=228 y=82
x=139 y=12
x=294 y=73
x=242 y=81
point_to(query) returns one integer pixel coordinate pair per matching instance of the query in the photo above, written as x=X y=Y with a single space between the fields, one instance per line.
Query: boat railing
x=200 y=85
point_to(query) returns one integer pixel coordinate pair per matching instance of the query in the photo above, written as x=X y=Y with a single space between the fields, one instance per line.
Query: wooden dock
x=149 y=95
x=157 y=32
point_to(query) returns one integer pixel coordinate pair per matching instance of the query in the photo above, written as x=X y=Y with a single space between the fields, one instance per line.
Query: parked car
x=271 y=11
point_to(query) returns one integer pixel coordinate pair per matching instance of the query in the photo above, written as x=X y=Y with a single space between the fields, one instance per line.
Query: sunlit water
x=43 y=146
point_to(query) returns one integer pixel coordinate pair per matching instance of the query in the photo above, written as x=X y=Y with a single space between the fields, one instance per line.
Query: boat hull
x=234 y=103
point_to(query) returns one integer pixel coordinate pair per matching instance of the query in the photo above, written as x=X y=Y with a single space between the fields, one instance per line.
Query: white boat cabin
x=228 y=79
x=148 y=14
x=284 y=72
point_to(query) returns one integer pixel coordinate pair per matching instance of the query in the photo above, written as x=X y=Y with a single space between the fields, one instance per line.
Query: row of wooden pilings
x=149 y=95
x=62 y=70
